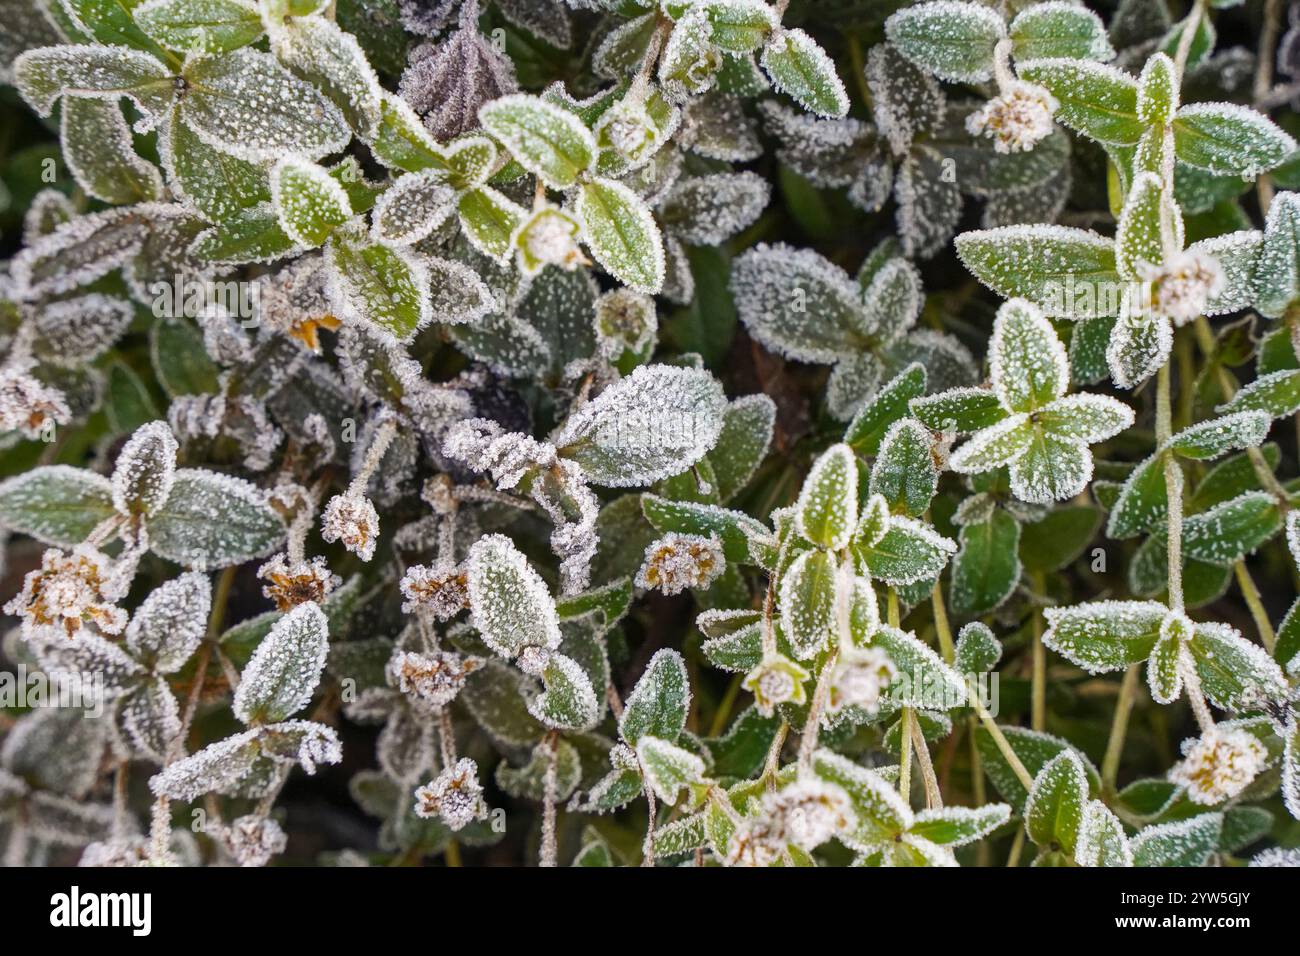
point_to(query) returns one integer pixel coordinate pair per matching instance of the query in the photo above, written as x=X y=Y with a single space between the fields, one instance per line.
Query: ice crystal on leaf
x=285 y=668
x=509 y=602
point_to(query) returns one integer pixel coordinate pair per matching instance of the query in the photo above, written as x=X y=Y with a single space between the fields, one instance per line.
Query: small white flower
x=1219 y=765
x=549 y=237
x=809 y=812
x=1182 y=286
x=754 y=843
x=776 y=680
x=455 y=796
x=1016 y=119
x=351 y=519
x=250 y=840
x=676 y=562
x=26 y=405
x=68 y=590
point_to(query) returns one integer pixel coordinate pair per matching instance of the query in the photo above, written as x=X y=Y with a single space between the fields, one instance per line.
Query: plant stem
x=548 y=851
x=1268 y=35
x=648 y=848
x=1251 y=593
x=1024 y=776
x=933 y=797
x=1173 y=490
x=1038 y=689
x=1190 y=27
x=941 y=626
x=1017 y=845
x=808 y=742
x=905 y=754
x=1119 y=730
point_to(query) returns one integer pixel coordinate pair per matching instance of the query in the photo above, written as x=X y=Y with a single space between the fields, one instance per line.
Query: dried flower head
x=28 y=406
x=1219 y=765
x=67 y=591
x=435 y=678
x=755 y=843
x=454 y=796
x=676 y=562
x=250 y=840
x=1182 y=286
x=289 y=583
x=352 y=519
x=440 y=591
x=808 y=812
x=776 y=680
x=861 y=676
x=1016 y=119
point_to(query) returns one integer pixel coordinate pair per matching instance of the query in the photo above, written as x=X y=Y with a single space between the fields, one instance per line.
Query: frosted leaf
x=98 y=149
x=716 y=126
x=1277 y=274
x=218 y=767
x=1291 y=767
x=659 y=702
x=829 y=153
x=80 y=329
x=827 y=510
x=457 y=293
x=90 y=654
x=1027 y=361
x=1240 y=260
x=893 y=299
x=929 y=203
x=308 y=201
x=1086 y=418
x=1293 y=535
x=285 y=669
x=801 y=69
x=994 y=446
x=509 y=602
x=796 y=303
x=657 y=422
x=246 y=104
x=542 y=18
x=55 y=748
x=108 y=72
x=1052 y=469
x=1104 y=636
x=689 y=62
x=807 y=601
x=1054 y=807
x=145 y=470
x=852 y=383
x=413 y=207
x=668 y=768
x=319 y=51
x=905 y=101
x=429 y=17
x=1101 y=840
x=448 y=82
x=61 y=821
x=213 y=520
x=383 y=285
x=709 y=210
x=1235 y=674
x=953 y=40
x=1229 y=140
x=905 y=471
x=152 y=719
x=1139 y=346
x=56 y=504
x=568 y=701
x=48 y=210
x=170 y=623
x=81 y=250
x=1182 y=843
x=207 y=26
x=621 y=233
x=544 y=138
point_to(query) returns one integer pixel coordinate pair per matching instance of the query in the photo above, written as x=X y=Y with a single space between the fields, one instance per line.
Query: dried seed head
x=443 y=592
x=67 y=591
x=28 y=406
x=434 y=679
x=679 y=561
x=1219 y=765
x=455 y=796
x=289 y=584
x=1017 y=119
x=351 y=519
x=250 y=840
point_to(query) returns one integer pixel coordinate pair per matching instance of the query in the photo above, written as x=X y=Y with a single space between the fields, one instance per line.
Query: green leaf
x=1227 y=139
x=801 y=69
x=545 y=139
x=1101 y=839
x=45 y=74
x=1277 y=393
x=891 y=402
x=248 y=235
x=399 y=139
x=1098 y=101
x=1034 y=749
x=1235 y=674
x=204 y=26
x=977 y=651
x=1055 y=541
x=489 y=220
x=743 y=443
x=1148 y=225
x=881 y=813
x=1158 y=91
x=957 y=826
x=1277 y=276
x=1142 y=502
x=622 y=234
x=740 y=26
x=987 y=566
x=1060 y=269
x=1027 y=361
x=379 y=284
x=1106 y=635
x=1184 y=843
x=108 y=21
x=285 y=669
x=954 y=41
x=216 y=183
x=908 y=553
x=180 y=361
x=659 y=702
x=924 y=681
x=827 y=510
x=97 y=148
x=212 y=520
x=509 y=602
x=56 y=504
x=1229 y=531
x=568 y=700
x=309 y=202
x=959 y=411
x=1054 y=808
x=1059 y=30
x=808 y=602
x=905 y=472
x=668 y=768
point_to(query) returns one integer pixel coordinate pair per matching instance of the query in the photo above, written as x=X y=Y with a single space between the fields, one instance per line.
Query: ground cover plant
x=616 y=433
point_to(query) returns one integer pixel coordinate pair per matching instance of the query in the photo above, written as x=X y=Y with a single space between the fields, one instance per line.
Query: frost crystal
x=351 y=519
x=67 y=591
x=509 y=602
x=1182 y=286
x=286 y=667
x=454 y=796
x=677 y=562
x=1219 y=765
